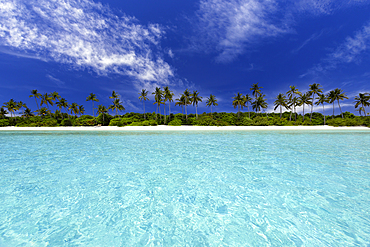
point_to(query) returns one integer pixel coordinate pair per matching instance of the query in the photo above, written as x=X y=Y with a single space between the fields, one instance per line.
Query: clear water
x=251 y=188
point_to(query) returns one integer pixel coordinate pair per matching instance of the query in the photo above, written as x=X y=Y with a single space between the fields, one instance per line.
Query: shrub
x=366 y=122
x=107 y=119
x=48 y=123
x=85 y=117
x=246 y=121
x=144 y=123
x=260 y=121
x=66 y=122
x=278 y=122
x=116 y=122
x=84 y=122
x=4 y=122
x=175 y=122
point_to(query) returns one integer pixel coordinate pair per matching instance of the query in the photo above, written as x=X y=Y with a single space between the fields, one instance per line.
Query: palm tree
x=117 y=105
x=143 y=98
x=114 y=95
x=259 y=103
x=21 y=105
x=62 y=103
x=57 y=114
x=314 y=89
x=363 y=100
x=304 y=99
x=102 y=110
x=186 y=95
x=3 y=112
x=280 y=102
x=92 y=97
x=321 y=99
x=336 y=95
x=256 y=92
x=248 y=100
x=37 y=95
x=238 y=101
x=54 y=96
x=211 y=101
x=81 y=109
x=28 y=113
x=293 y=100
x=181 y=102
x=168 y=95
x=12 y=106
x=158 y=94
x=331 y=98
x=42 y=112
x=74 y=108
x=195 y=99
x=46 y=99
x=360 y=110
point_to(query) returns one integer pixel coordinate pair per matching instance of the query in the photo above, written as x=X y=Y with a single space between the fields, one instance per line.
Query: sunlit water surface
x=241 y=188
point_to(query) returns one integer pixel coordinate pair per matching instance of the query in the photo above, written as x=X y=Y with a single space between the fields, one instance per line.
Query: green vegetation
x=22 y=116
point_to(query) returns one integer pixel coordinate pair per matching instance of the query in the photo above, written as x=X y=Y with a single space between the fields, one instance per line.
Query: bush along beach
x=17 y=113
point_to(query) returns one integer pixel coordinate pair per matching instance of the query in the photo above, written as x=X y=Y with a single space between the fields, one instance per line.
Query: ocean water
x=232 y=188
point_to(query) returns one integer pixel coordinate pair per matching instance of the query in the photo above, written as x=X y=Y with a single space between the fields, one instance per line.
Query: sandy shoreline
x=180 y=128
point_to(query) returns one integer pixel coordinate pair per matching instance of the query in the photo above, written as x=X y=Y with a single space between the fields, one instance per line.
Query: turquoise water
x=235 y=188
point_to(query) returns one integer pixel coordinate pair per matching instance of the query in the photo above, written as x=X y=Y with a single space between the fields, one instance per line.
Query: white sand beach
x=181 y=128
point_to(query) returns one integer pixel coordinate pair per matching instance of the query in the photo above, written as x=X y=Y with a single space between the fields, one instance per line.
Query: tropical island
x=74 y=115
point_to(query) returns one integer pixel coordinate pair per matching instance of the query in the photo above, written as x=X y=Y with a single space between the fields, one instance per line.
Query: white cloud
x=351 y=50
x=228 y=26
x=231 y=27
x=84 y=34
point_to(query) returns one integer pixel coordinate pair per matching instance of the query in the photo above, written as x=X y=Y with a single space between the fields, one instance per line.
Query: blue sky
x=76 y=47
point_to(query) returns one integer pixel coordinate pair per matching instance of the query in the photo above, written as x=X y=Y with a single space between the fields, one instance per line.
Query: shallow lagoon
x=224 y=188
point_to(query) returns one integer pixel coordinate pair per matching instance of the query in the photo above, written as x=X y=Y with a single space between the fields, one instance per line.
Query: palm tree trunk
x=144 y=109
x=332 y=117
x=164 y=110
x=160 y=116
x=211 y=109
x=67 y=113
x=49 y=110
x=323 y=112
x=238 y=111
x=313 y=98
x=281 y=112
x=186 y=113
x=363 y=107
x=169 y=111
x=196 y=111
x=249 y=113
x=38 y=108
x=156 y=113
x=340 y=108
x=303 y=112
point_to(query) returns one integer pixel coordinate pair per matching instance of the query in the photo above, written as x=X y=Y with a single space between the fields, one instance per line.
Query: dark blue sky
x=76 y=47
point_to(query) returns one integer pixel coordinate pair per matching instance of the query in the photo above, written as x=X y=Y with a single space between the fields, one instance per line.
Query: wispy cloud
x=228 y=26
x=324 y=7
x=313 y=37
x=57 y=81
x=350 y=51
x=233 y=27
x=84 y=34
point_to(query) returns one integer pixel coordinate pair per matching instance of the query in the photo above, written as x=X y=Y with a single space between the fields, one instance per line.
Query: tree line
x=289 y=101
